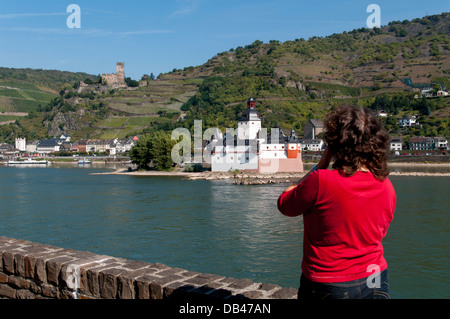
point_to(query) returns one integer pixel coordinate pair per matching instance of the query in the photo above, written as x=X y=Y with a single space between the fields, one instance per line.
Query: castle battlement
x=116 y=80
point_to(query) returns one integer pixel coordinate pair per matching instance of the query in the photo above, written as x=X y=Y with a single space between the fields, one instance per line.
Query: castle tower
x=250 y=122
x=292 y=149
x=120 y=72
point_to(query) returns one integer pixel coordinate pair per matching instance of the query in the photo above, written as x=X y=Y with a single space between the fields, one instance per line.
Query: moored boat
x=84 y=161
x=28 y=162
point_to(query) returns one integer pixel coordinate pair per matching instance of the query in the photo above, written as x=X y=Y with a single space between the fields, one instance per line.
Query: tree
x=131 y=83
x=153 y=149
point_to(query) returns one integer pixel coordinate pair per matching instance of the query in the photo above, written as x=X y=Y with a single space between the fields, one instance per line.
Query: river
x=213 y=226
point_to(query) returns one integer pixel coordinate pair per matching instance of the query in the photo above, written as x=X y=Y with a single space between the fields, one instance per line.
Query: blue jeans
x=355 y=289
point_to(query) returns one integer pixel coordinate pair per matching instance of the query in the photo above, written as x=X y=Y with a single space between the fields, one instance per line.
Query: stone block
x=142 y=286
x=156 y=287
x=18 y=282
x=228 y=280
x=25 y=294
x=35 y=288
x=3 y=278
x=211 y=277
x=159 y=266
x=135 y=265
x=252 y=294
x=29 y=264
x=92 y=281
x=268 y=287
x=285 y=293
x=125 y=287
x=49 y=291
x=169 y=272
x=70 y=277
x=107 y=280
x=54 y=268
x=198 y=280
x=8 y=262
x=19 y=264
x=66 y=294
x=7 y=292
x=241 y=284
x=40 y=274
x=177 y=289
x=189 y=274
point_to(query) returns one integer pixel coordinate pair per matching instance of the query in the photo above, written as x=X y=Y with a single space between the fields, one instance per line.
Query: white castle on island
x=250 y=147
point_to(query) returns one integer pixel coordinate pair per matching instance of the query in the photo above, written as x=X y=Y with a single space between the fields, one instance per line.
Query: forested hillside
x=301 y=79
x=293 y=81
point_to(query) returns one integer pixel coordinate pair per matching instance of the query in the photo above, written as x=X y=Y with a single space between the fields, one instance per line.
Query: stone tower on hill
x=116 y=80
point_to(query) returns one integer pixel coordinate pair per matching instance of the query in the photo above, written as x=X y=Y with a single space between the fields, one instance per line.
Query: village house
x=382 y=114
x=120 y=146
x=65 y=138
x=312 y=128
x=100 y=146
x=408 y=121
x=91 y=146
x=21 y=144
x=79 y=146
x=430 y=92
x=441 y=143
x=130 y=142
x=31 y=147
x=312 y=145
x=49 y=146
x=8 y=150
x=421 y=143
x=65 y=147
x=52 y=145
x=396 y=144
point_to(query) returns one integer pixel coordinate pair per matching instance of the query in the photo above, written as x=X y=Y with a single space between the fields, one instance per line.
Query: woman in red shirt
x=346 y=211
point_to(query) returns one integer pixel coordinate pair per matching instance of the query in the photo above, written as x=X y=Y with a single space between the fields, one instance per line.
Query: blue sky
x=156 y=36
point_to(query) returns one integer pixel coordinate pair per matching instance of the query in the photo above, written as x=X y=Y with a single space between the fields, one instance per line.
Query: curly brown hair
x=356 y=138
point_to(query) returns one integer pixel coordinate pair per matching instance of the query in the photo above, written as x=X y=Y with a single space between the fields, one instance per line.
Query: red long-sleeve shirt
x=345 y=220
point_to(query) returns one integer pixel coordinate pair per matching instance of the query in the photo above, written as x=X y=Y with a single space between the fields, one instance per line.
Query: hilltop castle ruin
x=116 y=80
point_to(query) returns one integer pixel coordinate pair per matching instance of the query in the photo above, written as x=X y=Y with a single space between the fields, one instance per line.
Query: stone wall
x=36 y=271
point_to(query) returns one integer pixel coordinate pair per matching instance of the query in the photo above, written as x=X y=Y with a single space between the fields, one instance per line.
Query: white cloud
x=92 y=32
x=125 y=33
x=187 y=7
x=27 y=15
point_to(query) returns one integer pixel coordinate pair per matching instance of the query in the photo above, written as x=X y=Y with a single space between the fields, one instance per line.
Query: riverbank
x=253 y=178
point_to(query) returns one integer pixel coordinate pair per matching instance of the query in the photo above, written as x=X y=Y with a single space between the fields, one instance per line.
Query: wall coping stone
x=31 y=270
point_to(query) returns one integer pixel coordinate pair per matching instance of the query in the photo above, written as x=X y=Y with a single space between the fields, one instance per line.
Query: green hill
x=292 y=82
